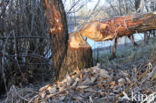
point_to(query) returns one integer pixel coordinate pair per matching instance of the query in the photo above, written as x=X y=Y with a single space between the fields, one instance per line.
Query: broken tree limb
x=119 y=26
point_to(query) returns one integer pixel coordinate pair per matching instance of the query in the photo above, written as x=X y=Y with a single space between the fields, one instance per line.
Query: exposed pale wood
x=119 y=26
x=68 y=55
x=77 y=41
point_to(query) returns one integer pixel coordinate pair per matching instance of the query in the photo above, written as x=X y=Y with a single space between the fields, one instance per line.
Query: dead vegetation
x=25 y=55
x=95 y=84
x=102 y=83
x=92 y=85
x=98 y=84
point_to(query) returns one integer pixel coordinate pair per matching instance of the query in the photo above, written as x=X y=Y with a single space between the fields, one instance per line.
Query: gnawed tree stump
x=79 y=55
x=67 y=56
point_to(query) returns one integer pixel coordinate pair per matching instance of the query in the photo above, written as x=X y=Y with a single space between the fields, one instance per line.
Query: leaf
x=61 y=89
x=81 y=76
x=42 y=94
x=112 y=84
x=50 y=95
x=74 y=84
x=90 y=90
x=103 y=73
x=67 y=80
x=100 y=85
x=36 y=100
x=121 y=82
x=44 y=88
x=86 y=81
x=82 y=87
x=51 y=89
x=93 y=79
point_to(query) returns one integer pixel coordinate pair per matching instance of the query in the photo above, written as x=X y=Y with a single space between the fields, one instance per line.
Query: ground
x=133 y=71
x=127 y=55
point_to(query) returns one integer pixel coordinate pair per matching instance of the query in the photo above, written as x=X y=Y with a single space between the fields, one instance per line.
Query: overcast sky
x=89 y=5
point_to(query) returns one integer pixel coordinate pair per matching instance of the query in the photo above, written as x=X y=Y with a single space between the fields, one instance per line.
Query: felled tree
x=119 y=26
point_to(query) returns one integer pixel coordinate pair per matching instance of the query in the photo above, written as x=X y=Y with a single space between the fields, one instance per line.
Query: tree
x=67 y=54
x=73 y=52
x=119 y=26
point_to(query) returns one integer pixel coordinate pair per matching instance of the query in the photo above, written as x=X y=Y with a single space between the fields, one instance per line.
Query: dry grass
x=126 y=56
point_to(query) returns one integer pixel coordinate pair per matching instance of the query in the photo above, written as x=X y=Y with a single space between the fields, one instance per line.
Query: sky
x=90 y=5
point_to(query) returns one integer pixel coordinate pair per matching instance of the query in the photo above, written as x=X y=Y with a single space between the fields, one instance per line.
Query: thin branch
x=24 y=37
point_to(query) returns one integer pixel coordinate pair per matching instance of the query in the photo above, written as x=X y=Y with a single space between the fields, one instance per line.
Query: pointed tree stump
x=67 y=55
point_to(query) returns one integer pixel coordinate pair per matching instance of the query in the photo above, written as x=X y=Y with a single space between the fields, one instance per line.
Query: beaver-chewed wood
x=119 y=26
x=68 y=55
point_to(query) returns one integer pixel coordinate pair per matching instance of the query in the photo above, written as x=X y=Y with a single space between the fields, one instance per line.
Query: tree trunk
x=119 y=26
x=66 y=56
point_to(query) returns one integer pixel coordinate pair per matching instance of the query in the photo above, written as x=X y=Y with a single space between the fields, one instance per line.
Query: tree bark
x=79 y=55
x=119 y=26
x=66 y=58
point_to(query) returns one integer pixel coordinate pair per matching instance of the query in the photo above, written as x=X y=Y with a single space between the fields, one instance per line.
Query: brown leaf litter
x=92 y=85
